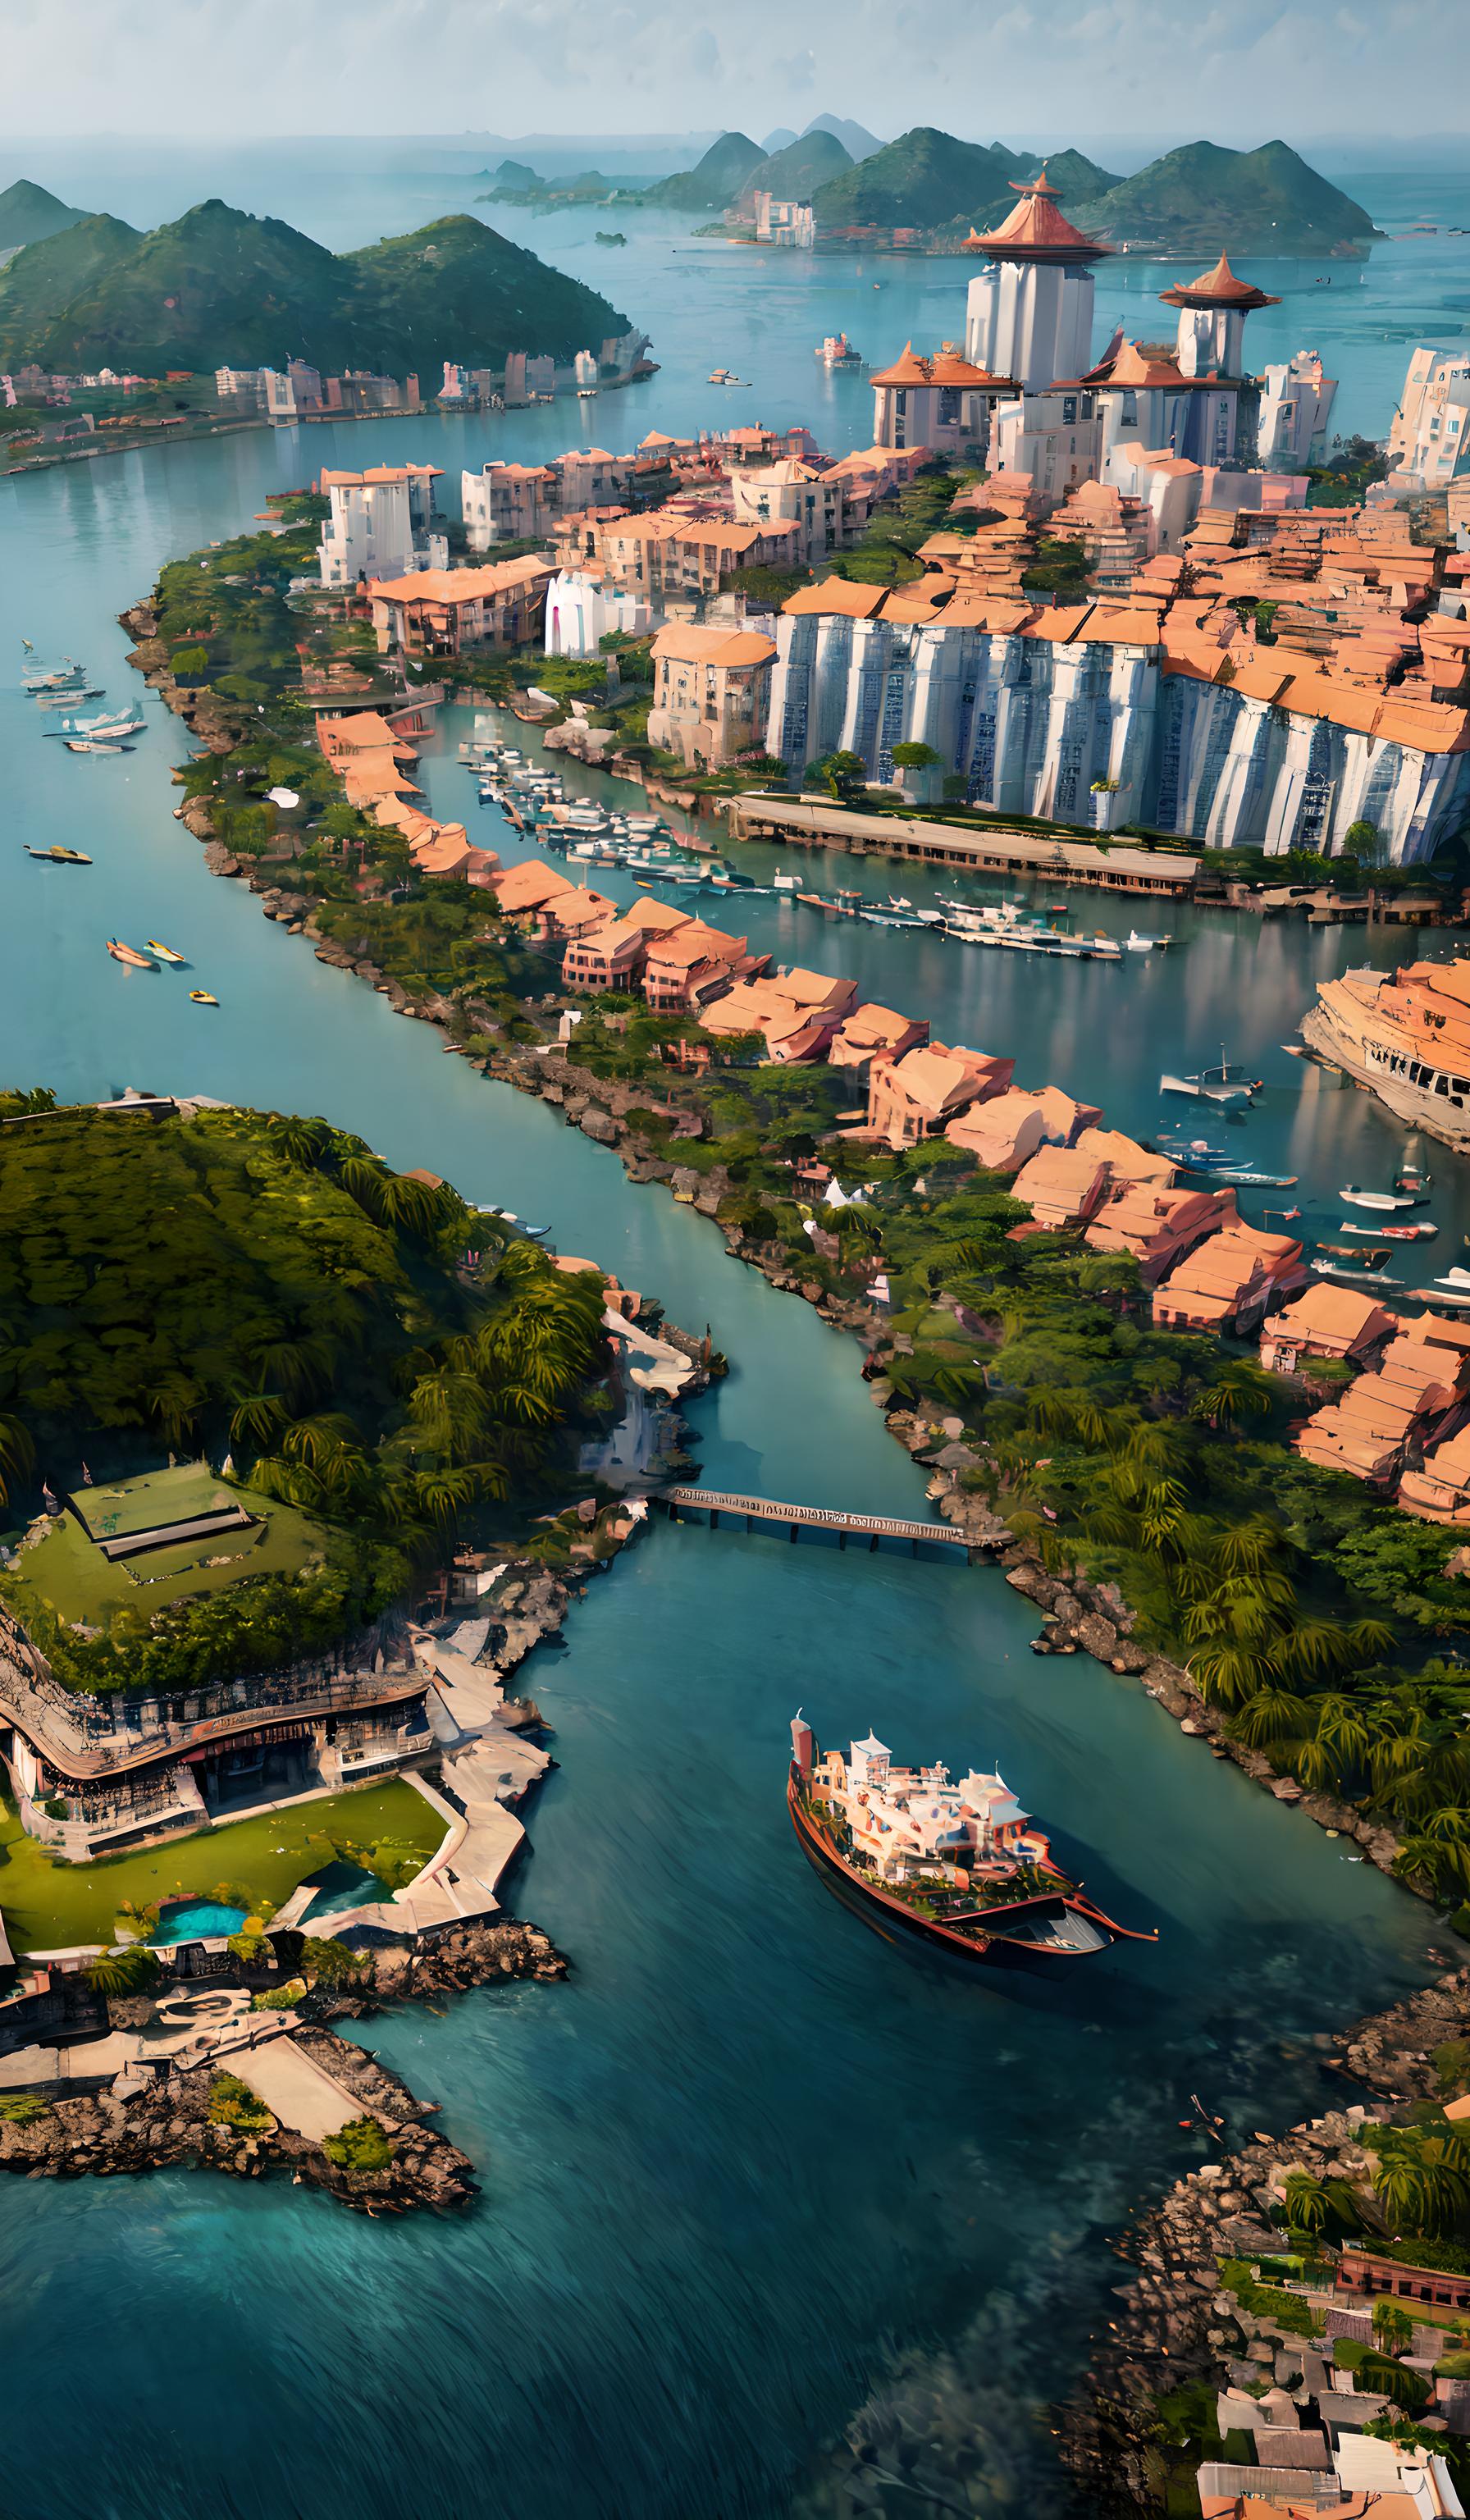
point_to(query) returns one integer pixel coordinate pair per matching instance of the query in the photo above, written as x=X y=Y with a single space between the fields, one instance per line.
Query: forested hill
x=218 y=288
x=237 y=1284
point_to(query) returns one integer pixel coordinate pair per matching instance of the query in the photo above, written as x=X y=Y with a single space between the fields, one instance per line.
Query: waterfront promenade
x=1122 y=867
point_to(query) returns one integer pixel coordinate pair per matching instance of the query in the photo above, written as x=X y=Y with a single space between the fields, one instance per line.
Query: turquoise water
x=749 y=2169
x=340 y=1886
x=199 y=1917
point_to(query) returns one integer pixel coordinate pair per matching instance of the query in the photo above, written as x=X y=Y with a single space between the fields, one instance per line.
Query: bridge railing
x=819 y=1517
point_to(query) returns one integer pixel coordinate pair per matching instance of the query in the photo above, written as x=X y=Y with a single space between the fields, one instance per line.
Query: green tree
x=842 y=776
x=1393 y=2327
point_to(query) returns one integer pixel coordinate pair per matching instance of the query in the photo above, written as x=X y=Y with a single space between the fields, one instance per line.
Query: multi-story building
x=442 y=611
x=710 y=692
x=379 y=521
x=1429 y=440
x=1157 y=707
x=787 y=223
x=945 y=403
x=1295 y=407
x=830 y=507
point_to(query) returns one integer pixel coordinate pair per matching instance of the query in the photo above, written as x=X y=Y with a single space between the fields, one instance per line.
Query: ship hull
x=1350 y=1049
x=898 y=1922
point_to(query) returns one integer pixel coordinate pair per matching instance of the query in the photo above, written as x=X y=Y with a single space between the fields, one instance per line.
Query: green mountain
x=797 y=173
x=58 y=271
x=218 y=288
x=856 y=139
x=927 y=179
x=715 y=182
x=28 y=213
x=1206 y=200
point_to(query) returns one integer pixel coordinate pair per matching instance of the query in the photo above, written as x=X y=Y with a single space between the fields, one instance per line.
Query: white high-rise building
x=1029 y=314
x=1296 y=405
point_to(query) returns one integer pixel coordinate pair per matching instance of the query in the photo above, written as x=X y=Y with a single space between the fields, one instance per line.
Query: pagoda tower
x=1212 y=321
x=1029 y=314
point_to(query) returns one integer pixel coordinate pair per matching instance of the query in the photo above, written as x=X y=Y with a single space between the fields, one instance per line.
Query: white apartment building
x=378 y=525
x=1432 y=424
x=1296 y=405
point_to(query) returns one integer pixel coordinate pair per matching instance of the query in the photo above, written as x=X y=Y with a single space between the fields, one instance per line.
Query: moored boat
x=203 y=998
x=55 y=855
x=130 y=955
x=164 y=953
x=959 y=1867
x=1377 y=1198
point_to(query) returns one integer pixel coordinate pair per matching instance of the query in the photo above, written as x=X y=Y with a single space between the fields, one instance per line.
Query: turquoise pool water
x=197 y=1919
x=339 y=1886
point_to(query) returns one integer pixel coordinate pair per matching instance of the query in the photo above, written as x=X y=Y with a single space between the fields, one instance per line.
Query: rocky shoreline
x=166 y=2124
x=1176 y=2323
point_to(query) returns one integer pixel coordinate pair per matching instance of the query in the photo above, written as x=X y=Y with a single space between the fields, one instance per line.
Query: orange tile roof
x=1035 y=231
x=1216 y=288
x=690 y=645
x=462 y=585
x=908 y=369
x=839 y=595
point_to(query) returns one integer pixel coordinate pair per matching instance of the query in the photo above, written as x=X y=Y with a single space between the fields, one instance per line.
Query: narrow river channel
x=749 y=2162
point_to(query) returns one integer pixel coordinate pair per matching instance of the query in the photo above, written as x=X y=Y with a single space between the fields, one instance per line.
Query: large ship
x=960 y=1866
x=1404 y=1035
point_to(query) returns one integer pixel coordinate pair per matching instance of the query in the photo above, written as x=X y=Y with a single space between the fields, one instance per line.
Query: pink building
x=916 y=1096
x=1158 y=1226
x=872 y=1031
x=1229 y=1281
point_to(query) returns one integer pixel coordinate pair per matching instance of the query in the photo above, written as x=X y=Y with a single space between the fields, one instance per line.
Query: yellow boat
x=136 y=962
x=165 y=953
x=201 y=998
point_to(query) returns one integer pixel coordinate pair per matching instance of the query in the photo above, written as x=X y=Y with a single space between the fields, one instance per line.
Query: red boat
x=1001 y=1901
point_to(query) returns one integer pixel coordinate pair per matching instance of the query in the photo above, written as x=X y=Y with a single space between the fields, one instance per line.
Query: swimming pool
x=339 y=1886
x=194 y=1919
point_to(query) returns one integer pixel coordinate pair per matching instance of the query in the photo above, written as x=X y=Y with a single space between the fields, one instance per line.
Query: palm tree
x=443 y=1494
x=316 y=1440
x=258 y=1417
x=1272 y=1715
x=362 y=1177
x=1307 y=2204
x=1239 y=1390
x=1391 y=2326
x=305 y=1142
x=17 y=1457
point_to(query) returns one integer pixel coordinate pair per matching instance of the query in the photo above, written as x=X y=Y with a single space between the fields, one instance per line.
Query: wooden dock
x=972 y=848
x=872 y=1527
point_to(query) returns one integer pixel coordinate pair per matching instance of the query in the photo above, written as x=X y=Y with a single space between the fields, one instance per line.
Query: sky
x=1234 y=71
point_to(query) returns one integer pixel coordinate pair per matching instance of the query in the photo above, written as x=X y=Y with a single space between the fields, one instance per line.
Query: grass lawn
x=48 y=1906
x=68 y=1571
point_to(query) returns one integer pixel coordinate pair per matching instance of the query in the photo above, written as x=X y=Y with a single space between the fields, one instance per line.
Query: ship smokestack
x=803 y=1743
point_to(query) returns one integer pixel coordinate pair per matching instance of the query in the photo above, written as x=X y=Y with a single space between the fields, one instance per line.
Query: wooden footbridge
x=872 y=1527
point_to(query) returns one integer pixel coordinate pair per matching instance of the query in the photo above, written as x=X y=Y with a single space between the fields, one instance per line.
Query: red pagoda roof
x=1217 y=288
x=1036 y=231
x=945 y=368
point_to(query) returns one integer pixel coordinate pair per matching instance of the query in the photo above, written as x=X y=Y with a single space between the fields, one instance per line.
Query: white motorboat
x=1352 y=1197
x=1204 y=1089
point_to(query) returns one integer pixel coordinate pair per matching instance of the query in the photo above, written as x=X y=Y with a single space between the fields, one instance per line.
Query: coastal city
x=736 y=1074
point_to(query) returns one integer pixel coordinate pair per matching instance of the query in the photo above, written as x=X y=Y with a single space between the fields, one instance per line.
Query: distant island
x=929 y=190
x=220 y=287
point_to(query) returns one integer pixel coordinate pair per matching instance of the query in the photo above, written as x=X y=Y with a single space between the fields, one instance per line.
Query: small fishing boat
x=727 y=377
x=164 y=953
x=130 y=955
x=1366 y=1256
x=91 y=744
x=203 y=998
x=56 y=856
x=114 y=729
x=1455 y=1277
x=1340 y=1272
x=1255 y=1181
x=1378 y=1198
x=68 y=699
x=1203 y=1089
x=1418 y=1233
